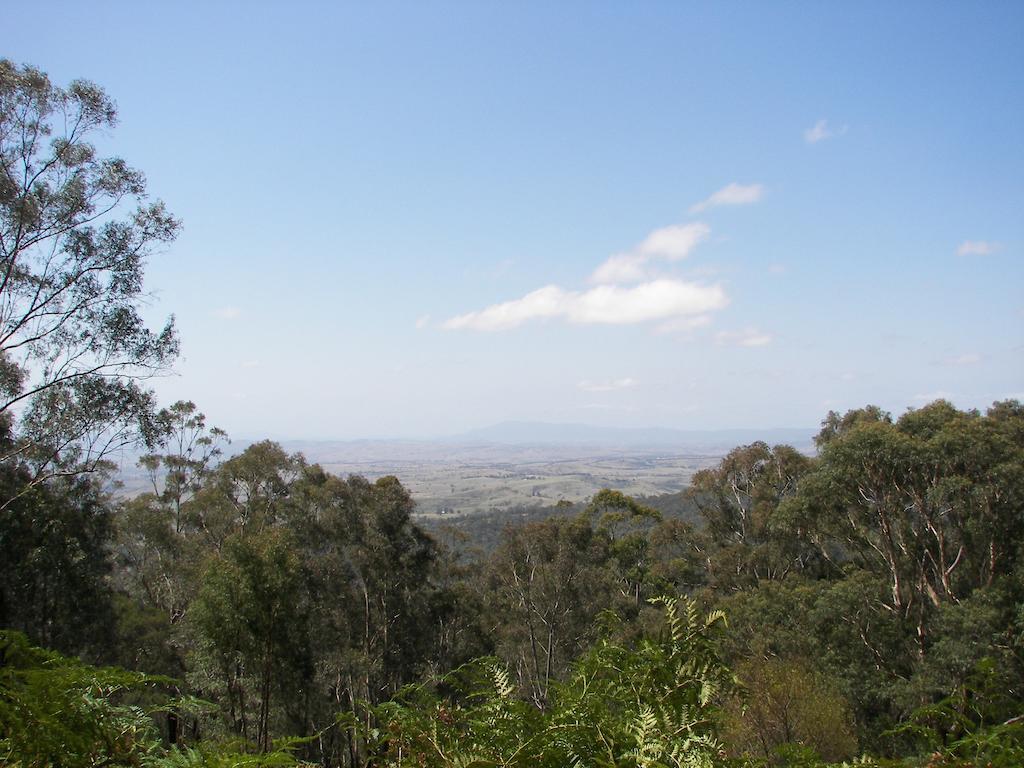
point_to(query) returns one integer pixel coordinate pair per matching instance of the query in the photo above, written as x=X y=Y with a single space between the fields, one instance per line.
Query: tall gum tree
x=931 y=501
x=76 y=230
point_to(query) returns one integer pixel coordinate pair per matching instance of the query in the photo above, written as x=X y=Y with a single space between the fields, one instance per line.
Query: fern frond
x=501 y=681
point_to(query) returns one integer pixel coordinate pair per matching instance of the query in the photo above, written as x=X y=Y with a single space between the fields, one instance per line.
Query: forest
x=863 y=605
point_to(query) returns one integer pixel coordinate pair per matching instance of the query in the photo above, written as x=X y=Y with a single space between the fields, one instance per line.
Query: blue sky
x=407 y=220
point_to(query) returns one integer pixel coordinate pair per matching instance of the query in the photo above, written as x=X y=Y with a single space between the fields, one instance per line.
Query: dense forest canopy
x=257 y=610
x=873 y=596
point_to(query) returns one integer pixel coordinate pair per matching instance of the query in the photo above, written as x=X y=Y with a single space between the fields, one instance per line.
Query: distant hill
x=541 y=433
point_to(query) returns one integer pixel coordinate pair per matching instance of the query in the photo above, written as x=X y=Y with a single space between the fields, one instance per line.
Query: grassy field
x=461 y=487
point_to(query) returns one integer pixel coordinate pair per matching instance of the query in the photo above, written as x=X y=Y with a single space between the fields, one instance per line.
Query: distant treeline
x=481 y=532
x=874 y=596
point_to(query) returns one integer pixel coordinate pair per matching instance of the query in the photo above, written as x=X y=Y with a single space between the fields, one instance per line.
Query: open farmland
x=446 y=478
x=527 y=476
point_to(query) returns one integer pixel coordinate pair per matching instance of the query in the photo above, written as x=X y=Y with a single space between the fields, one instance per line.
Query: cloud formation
x=821 y=131
x=228 y=313
x=978 y=248
x=661 y=299
x=748 y=337
x=667 y=244
x=607 y=386
x=731 y=194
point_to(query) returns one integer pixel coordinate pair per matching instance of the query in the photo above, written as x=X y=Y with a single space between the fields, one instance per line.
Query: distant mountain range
x=518 y=442
x=541 y=433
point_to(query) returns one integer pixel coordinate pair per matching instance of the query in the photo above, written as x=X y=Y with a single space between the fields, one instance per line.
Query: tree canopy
x=76 y=229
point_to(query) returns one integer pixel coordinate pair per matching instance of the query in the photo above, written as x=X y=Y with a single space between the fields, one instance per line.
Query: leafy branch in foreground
x=57 y=711
x=643 y=706
x=971 y=727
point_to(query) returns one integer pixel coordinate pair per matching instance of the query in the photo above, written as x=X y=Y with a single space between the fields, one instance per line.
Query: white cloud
x=661 y=299
x=731 y=194
x=675 y=242
x=671 y=243
x=422 y=322
x=250 y=363
x=777 y=269
x=543 y=303
x=228 y=313
x=821 y=131
x=978 y=248
x=621 y=268
x=607 y=386
x=748 y=337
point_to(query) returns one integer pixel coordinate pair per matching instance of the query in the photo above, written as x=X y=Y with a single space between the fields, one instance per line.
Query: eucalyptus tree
x=186 y=452
x=159 y=553
x=247 y=494
x=252 y=616
x=311 y=594
x=54 y=563
x=930 y=502
x=739 y=499
x=76 y=230
x=549 y=581
x=627 y=524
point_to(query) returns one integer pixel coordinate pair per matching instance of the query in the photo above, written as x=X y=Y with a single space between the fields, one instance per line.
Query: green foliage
x=931 y=501
x=301 y=604
x=549 y=581
x=57 y=711
x=738 y=500
x=648 y=705
x=75 y=232
x=189 y=453
x=981 y=723
x=54 y=541
x=252 y=616
x=789 y=710
x=627 y=524
x=313 y=593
